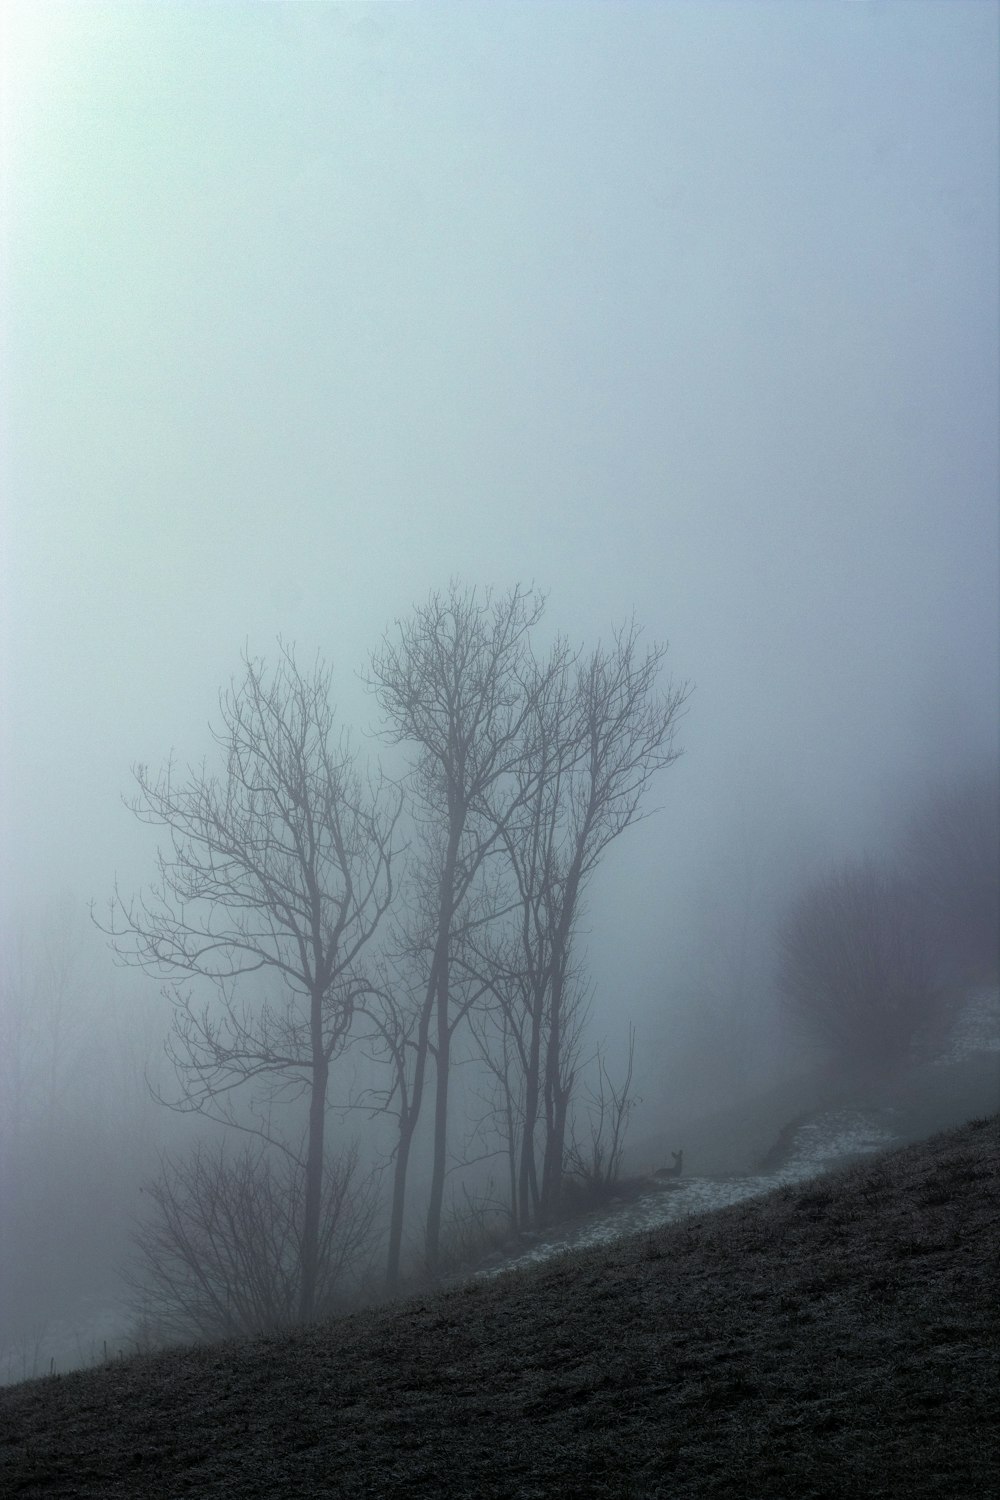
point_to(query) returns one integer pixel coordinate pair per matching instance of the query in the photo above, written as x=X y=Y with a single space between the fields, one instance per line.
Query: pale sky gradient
x=686 y=309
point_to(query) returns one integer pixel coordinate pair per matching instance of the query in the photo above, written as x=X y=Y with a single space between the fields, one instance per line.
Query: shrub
x=951 y=852
x=219 y=1252
x=855 y=967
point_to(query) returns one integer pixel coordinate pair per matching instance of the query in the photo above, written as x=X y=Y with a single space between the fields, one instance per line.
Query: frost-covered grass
x=838 y=1337
x=814 y=1146
x=963 y=1079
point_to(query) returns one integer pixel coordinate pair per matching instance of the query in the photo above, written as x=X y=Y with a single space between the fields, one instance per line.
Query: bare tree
x=595 y=1162
x=219 y=1250
x=506 y=1034
x=525 y=771
x=279 y=869
x=854 y=966
x=451 y=681
x=596 y=734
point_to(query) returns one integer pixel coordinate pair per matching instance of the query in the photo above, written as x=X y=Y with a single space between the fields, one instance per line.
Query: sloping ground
x=837 y=1338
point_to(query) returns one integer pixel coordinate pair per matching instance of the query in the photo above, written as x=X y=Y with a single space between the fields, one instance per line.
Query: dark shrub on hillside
x=951 y=851
x=855 y=967
x=218 y=1253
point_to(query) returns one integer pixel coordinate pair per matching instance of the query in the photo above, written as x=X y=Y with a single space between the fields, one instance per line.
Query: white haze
x=686 y=310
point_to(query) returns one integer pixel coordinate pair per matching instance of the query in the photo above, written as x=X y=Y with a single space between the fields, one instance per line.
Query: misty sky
x=686 y=309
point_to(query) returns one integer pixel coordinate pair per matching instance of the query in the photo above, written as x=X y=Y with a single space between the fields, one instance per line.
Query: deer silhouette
x=675 y=1170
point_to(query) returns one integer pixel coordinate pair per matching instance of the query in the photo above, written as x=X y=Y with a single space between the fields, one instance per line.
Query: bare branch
x=272 y=883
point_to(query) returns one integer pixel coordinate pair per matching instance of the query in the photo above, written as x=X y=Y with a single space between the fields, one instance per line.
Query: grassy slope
x=838 y=1338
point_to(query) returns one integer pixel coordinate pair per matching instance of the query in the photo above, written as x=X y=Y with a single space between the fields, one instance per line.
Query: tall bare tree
x=452 y=681
x=280 y=867
x=596 y=732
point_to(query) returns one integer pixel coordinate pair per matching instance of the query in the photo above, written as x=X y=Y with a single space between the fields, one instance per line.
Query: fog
x=686 y=312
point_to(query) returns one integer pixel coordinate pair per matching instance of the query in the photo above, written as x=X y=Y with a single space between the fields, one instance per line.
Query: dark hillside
x=838 y=1338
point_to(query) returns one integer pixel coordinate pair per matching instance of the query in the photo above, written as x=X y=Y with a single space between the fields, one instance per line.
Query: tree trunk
x=407 y=1127
x=552 y=1155
x=555 y=1103
x=435 y=1204
x=314 y=1189
x=409 y=1115
x=442 y=988
x=528 y=1201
